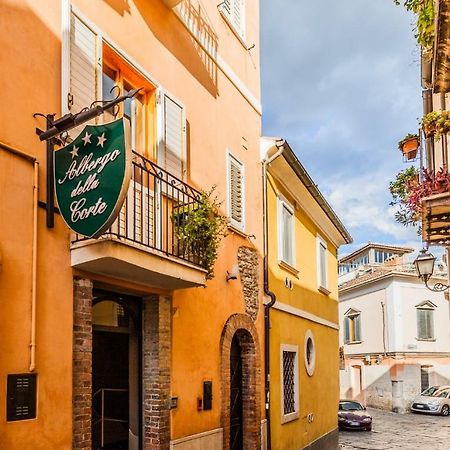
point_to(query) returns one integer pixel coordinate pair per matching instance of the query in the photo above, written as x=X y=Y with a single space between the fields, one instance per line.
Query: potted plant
x=199 y=228
x=408 y=191
x=409 y=146
x=436 y=123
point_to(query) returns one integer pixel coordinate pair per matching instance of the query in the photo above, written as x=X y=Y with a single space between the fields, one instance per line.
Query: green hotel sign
x=92 y=176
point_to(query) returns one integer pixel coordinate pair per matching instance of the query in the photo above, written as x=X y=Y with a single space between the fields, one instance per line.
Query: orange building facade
x=122 y=342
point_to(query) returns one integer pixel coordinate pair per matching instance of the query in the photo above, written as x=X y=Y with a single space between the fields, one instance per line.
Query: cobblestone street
x=400 y=431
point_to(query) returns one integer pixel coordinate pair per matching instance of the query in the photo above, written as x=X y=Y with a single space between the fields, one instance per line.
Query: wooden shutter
x=85 y=65
x=234 y=10
x=346 y=330
x=236 y=203
x=421 y=325
x=357 y=322
x=173 y=140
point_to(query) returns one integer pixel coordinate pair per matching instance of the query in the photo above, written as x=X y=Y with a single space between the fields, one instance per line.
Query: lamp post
x=425 y=266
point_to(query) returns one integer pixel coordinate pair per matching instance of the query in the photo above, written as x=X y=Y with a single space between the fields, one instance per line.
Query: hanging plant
x=199 y=227
x=408 y=192
x=424 y=31
x=436 y=123
x=409 y=146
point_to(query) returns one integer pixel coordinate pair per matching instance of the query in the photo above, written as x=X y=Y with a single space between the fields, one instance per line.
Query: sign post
x=92 y=176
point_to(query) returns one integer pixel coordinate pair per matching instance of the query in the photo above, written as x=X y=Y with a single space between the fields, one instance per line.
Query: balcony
x=436 y=219
x=143 y=244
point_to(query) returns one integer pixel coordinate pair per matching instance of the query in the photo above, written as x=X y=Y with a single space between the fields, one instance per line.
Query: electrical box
x=21 y=397
x=207 y=395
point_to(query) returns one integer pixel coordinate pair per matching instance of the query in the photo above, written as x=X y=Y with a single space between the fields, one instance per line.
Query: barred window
x=289 y=383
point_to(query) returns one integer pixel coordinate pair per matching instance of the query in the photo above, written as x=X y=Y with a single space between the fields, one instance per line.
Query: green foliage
x=424 y=9
x=401 y=189
x=199 y=228
x=436 y=123
x=407 y=138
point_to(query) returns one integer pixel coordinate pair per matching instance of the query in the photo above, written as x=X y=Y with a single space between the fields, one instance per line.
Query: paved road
x=400 y=431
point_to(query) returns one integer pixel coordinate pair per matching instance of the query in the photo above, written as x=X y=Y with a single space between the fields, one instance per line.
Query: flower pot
x=409 y=148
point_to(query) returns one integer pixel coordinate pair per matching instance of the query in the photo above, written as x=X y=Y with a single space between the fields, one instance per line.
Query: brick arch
x=242 y=326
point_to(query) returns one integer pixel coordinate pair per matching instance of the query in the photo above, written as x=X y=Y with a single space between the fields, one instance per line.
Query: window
x=234 y=13
x=310 y=353
x=286 y=241
x=236 y=197
x=91 y=68
x=352 y=327
x=425 y=321
x=289 y=385
x=322 y=274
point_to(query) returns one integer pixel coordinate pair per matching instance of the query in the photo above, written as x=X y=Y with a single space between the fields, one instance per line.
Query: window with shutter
x=234 y=12
x=171 y=155
x=286 y=241
x=322 y=279
x=85 y=65
x=352 y=327
x=425 y=321
x=236 y=210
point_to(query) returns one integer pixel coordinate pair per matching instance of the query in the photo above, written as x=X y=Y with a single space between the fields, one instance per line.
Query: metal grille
x=154 y=213
x=288 y=382
x=21 y=397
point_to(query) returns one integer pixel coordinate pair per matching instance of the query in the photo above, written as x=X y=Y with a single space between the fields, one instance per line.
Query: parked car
x=434 y=400
x=353 y=416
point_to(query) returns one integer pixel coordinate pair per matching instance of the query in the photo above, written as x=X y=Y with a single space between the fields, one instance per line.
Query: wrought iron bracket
x=54 y=130
x=438 y=287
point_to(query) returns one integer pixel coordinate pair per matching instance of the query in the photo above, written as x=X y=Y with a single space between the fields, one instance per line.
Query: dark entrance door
x=236 y=419
x=115 y=375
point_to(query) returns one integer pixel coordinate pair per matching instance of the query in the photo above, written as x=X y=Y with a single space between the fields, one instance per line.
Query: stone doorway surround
x=243 y=327
x=156 y=355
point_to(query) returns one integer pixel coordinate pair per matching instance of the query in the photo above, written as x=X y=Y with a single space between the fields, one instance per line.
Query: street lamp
x=425 y=266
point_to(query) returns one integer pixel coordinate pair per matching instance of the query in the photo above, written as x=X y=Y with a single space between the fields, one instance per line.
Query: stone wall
x=249 y=274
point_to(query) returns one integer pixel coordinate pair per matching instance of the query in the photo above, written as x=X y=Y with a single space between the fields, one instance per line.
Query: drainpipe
x=35 y=163
x=383 y=311
x=268 y=292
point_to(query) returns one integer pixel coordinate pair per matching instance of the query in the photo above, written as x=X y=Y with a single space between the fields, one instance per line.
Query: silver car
x=434 y=400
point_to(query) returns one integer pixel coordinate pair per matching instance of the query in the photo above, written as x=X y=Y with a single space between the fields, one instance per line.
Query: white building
x=394 y=331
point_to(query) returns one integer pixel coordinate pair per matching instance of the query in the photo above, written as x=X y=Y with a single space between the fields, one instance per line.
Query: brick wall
x=242 y=326
x=82 y=363
x=156 y=372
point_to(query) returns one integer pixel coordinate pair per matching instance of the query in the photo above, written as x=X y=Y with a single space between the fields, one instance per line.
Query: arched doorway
x=240 y=384
x=116 y=367
x=236 y=407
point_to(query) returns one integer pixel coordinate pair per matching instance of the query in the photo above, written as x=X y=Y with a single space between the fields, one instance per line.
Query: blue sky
x=341 y=83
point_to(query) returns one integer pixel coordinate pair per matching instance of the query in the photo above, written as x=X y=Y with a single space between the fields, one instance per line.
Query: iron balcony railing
x=154 y=213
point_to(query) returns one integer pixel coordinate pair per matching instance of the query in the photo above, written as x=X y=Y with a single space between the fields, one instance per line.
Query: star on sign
x=87 y=138
x=74 y=151
x=101 y=140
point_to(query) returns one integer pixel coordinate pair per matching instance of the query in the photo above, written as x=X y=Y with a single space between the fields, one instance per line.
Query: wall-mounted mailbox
x=21 y=397
x=207 y=395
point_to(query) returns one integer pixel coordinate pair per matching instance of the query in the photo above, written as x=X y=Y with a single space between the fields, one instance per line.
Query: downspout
x=35 y=163
x=383 y=310
x=268 y=292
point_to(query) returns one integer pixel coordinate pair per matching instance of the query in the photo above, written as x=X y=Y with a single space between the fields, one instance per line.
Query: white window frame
x=296 y=413
x=352 y=314
x=239 y=226
x=322 y=288
x=283 y=203
x=426 y=306
x=311 y=365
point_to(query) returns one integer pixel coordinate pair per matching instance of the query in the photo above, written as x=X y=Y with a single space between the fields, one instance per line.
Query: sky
x=341 y=83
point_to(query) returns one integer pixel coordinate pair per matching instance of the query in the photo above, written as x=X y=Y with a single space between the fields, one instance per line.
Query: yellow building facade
x=121 y=341
x=302 y=310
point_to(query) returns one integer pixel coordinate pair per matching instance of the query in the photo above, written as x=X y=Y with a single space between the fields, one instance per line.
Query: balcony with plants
x=166 y=234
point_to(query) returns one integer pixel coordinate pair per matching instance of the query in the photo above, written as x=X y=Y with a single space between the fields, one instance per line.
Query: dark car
x=353 y=416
